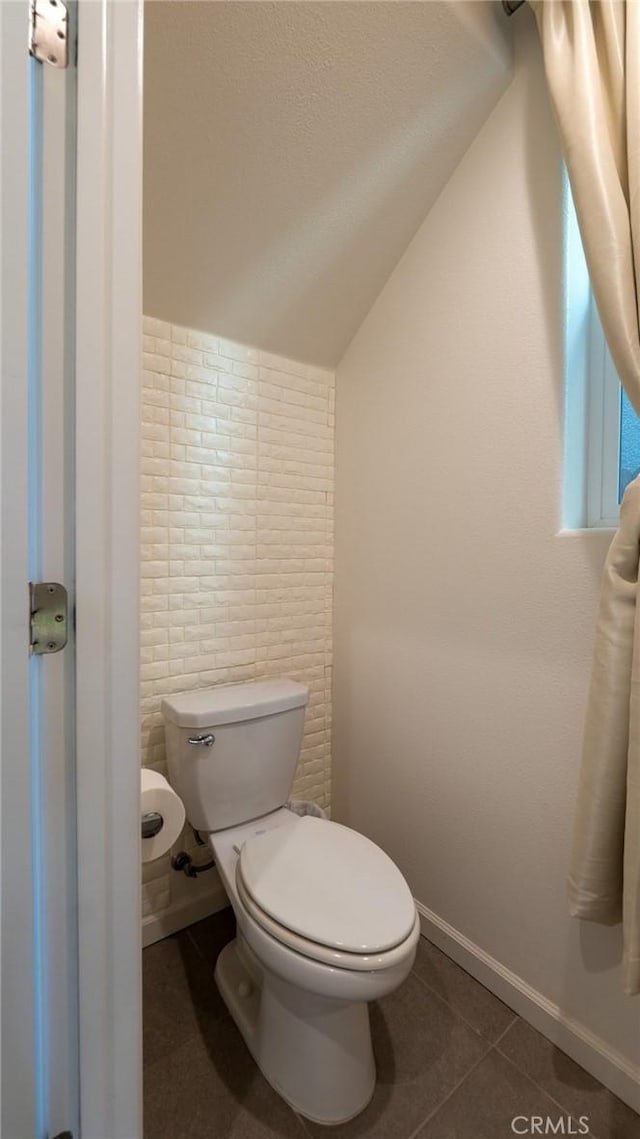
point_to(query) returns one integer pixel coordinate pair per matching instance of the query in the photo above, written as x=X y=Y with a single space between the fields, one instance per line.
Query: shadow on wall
x=543 y=167
x=330 y=241
x=340 y=124
x=599 y=950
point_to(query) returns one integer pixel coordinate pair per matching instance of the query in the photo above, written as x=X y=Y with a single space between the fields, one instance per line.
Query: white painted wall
x=464 y=619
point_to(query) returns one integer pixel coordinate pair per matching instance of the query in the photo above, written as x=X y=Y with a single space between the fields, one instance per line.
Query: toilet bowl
x=326 y=922
x=300 y=1002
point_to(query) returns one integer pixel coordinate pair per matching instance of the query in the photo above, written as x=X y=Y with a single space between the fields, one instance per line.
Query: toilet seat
x=328 y=892
x=323 y=954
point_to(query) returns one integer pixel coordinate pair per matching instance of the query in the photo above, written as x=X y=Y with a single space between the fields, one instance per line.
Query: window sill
x=605 y=532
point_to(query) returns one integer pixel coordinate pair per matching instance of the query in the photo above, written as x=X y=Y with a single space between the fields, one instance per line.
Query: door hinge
x=48 y=617
x=49 y=32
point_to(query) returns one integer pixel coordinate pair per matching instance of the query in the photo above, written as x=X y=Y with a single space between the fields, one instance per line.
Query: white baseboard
x=183 y=912
x=587 y=1049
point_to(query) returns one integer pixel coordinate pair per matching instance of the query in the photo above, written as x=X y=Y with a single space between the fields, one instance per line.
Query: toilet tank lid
x=233 y=703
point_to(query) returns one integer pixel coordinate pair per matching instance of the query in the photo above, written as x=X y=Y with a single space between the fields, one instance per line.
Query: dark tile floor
x=453 y=1062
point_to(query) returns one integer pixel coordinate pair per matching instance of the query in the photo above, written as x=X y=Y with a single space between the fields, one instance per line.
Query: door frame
x=108 y=361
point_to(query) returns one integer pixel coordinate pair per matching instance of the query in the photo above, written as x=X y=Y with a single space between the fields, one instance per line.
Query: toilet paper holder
x=151 y=823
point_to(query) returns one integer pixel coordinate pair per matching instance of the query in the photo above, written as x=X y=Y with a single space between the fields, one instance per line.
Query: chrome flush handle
x=202 y=741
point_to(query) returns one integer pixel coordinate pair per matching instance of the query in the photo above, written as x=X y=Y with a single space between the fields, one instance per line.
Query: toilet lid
x=329 y=884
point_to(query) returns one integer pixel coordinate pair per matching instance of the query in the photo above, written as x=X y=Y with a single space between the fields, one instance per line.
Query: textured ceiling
x=292 y=149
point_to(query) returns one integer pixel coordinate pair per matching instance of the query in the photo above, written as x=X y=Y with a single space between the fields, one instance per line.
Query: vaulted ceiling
x=292 y=149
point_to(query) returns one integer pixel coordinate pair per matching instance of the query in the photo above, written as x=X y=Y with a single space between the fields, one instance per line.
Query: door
x=40 y=1073
x=70 y=358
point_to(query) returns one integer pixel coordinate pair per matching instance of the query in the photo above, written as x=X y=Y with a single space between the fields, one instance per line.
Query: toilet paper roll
x=156 y=794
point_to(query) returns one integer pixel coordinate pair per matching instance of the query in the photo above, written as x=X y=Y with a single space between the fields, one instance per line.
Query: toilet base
x=314 y=1051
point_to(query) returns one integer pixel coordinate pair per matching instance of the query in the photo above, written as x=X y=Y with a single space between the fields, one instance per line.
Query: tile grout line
x=495 y=1045
x=492 y=1048
x=434 y=1111
x=458 y=1014
x=502 y=1035
x=565 y=1110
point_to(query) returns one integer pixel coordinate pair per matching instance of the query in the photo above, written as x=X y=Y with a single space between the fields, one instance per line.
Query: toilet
x=325 y=920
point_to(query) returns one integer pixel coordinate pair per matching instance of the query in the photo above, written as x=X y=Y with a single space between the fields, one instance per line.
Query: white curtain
x=592 y=61
x=604 y=876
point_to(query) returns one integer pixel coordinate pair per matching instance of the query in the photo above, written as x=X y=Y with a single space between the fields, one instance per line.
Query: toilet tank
x=232 y=750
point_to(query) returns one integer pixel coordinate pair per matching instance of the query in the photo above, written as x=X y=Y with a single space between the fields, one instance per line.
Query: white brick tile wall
x=237 y=536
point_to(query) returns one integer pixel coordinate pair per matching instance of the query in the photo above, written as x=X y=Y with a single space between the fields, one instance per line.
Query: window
x=629 y=461
x=602 y=431
x=613 y=449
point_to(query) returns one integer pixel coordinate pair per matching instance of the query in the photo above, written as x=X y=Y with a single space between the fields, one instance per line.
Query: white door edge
x=18 y=1114
x=109 y=308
